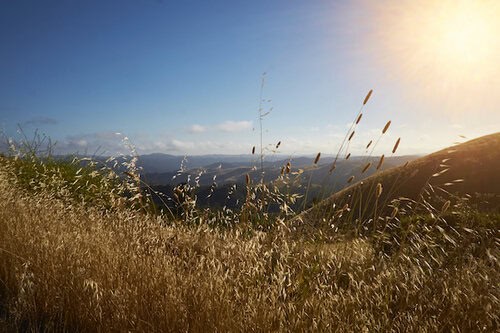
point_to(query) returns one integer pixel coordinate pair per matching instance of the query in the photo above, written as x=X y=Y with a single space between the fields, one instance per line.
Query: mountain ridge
x=466 y=168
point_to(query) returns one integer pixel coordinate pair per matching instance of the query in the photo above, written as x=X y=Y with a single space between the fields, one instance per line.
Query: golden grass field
x=67 y=265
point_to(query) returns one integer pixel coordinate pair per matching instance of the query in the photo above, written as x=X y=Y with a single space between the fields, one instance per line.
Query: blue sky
x=184 y=77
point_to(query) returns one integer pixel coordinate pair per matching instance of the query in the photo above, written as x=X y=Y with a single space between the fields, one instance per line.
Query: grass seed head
x=332 y=168
x=366 y=167
x=379 y=190
x=350 y=136
x=359 y=118
x=445 y=207
x=317 y=158
x=380 y=162
x=368 y=96
x=396 y=145
x=386 y=127
x=395 y=211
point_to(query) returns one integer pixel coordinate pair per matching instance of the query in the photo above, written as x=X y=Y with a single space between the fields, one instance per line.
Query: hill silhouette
x=469 y=169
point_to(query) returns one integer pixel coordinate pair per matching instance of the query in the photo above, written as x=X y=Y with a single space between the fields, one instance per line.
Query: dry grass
x=71 y=267
x=82 y=250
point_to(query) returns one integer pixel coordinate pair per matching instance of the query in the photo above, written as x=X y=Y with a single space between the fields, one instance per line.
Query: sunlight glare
x=443 y=49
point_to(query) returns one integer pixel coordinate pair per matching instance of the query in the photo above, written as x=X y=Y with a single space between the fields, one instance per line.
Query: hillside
x=80 y=250
x=471 y=168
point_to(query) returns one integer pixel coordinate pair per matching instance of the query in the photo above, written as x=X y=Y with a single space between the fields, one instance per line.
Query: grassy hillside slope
x=468 y=168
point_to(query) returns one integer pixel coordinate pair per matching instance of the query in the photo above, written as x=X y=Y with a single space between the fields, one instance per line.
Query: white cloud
x=112 y=143
x=234 y=126
x=197 y=128
x=178 y=145
x=103 y=142
x=314 y=129
x=81 y=143
x=226 y=126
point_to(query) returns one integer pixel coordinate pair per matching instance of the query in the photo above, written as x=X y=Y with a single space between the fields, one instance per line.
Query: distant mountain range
x=226 y=169
x=164 y=169
x=215 y=175
x=223 y=183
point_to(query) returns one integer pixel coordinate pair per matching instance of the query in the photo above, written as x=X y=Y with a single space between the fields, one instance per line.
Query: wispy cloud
x=178 y=145
x=39 y=121
x=102 y=142
x=197 y=128
x=229 y=126
x=183 y=147
x=234 y=126
x=111 y=143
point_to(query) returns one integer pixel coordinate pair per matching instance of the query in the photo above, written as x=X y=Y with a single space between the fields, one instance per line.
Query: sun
x=444 y=48
x=465 y=37
x=461 y=33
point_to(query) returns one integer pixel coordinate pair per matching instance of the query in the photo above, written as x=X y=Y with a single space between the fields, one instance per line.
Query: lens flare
x=448 y=51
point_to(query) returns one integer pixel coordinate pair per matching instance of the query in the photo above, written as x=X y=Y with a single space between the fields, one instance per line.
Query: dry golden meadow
x=83 y=249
